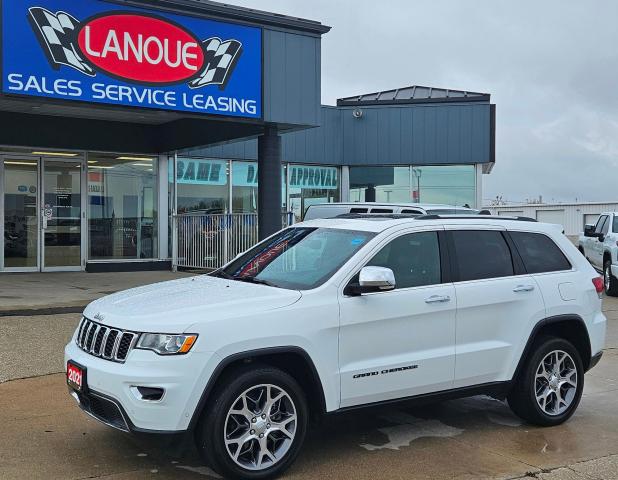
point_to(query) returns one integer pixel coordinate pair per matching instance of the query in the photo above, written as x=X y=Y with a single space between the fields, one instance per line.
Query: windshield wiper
x=222 y=274
x=255 y=280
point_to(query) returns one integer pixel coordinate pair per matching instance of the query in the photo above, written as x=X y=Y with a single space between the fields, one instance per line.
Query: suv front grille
x=105 y=342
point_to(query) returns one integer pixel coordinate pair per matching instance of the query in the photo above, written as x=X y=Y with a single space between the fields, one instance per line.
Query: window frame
x=445 y=263
x=601 y=223
x=517 y=263
x=550 y=272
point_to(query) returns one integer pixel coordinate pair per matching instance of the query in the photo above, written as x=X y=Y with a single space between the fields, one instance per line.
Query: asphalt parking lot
x=44 y=435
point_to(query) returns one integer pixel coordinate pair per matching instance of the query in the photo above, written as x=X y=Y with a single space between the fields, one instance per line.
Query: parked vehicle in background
x=335 y=314
x=332 y=210
x=599 y=244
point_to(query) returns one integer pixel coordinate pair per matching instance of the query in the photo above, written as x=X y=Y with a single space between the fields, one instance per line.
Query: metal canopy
x=414 y=94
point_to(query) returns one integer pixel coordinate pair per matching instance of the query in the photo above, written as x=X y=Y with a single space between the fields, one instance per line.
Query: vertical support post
x=175 y=214
x=345 y=184
x=163 y=207
x=269 y=177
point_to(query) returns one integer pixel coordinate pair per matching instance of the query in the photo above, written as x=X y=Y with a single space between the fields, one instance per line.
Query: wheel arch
x=570 y=327
x=291 y=359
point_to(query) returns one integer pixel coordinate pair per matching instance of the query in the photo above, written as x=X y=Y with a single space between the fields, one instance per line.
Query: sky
x=550 y=66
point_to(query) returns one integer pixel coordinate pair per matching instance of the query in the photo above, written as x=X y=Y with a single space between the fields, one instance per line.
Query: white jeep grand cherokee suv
x=335 y=314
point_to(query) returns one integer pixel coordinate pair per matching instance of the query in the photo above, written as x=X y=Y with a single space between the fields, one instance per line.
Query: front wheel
x=611 y=283
x=550 y=385
x=255 y=426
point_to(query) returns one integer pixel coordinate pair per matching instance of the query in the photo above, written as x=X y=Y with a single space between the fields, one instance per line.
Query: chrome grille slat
x=97 y=339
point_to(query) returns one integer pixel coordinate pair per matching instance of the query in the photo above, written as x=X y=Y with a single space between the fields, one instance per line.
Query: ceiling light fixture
x=137 y=159
x=56 y=154
x=8 y=162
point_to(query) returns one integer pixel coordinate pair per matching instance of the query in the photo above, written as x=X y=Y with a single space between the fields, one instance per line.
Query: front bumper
x=110 y=391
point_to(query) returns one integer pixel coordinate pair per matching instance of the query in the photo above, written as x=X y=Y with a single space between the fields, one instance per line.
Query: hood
x=171 y=307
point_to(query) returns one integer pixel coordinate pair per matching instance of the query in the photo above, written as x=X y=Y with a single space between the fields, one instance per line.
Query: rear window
x=481 y=254
x=539 y=253
x=359 y=210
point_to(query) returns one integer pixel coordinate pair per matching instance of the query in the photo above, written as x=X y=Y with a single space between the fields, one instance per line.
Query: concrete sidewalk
x=66 y=292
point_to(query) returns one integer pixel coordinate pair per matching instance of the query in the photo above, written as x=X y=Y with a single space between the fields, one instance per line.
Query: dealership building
x=119 y=117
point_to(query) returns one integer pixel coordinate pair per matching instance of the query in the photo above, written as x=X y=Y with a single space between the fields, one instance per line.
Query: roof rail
x=475 y=217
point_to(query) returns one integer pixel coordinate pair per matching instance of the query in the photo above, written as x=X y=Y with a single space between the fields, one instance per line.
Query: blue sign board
x=92 y=51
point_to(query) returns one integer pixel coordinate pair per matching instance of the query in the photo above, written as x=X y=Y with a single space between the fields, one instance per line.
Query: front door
x=400 y=343
x=61 y=214
x=41 y=213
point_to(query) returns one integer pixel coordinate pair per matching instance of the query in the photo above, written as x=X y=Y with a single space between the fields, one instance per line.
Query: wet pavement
x=40 y=293
x=44 y=435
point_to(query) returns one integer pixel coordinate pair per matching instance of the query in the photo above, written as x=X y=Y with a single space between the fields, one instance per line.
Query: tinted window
x=601 y=224
x=481 y=254
x=414 y=212
x=359 y=210
x=381 y=210
x=414 y=259
x=539 y=253
x=615 y=229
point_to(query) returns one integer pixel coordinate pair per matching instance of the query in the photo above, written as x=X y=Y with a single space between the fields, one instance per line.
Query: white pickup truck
x=599 y=244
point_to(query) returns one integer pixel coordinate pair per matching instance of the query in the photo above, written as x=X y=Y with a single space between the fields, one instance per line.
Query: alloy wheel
x=260 y=427
x=556 y=383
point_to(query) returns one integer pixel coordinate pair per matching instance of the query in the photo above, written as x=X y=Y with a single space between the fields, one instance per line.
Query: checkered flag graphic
x=220 y=61
x=56 y=32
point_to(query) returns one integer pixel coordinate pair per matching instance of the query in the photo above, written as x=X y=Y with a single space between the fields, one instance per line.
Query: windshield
x=297 y=258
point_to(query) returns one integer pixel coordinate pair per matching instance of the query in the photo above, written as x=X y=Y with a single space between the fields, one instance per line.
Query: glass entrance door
x=61 y=214
x=20 y=207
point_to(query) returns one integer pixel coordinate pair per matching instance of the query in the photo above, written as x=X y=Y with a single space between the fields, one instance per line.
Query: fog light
x=148 y=394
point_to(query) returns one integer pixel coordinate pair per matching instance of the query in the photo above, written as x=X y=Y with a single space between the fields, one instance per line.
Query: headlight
x=166 y=344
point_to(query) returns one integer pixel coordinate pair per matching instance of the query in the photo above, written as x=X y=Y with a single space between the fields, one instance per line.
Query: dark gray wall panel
x=417 y=135
x=292 y=70
x=390 y=135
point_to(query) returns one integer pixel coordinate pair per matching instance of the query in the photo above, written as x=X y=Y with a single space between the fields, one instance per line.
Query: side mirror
x=372 y=280
x=589 y=231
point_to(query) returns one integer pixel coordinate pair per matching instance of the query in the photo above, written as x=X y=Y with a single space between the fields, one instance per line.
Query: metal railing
x=211 y=241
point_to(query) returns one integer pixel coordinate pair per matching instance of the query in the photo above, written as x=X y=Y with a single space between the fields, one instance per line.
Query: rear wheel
x=611 y=283
x=255 y=426
x=550 y=386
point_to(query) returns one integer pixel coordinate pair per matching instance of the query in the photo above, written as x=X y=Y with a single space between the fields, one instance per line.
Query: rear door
x=400 y=343
x=496 y=302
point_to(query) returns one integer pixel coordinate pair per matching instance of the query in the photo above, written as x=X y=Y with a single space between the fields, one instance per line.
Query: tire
x=237 y=412
x=523 y=396
x=610 y=282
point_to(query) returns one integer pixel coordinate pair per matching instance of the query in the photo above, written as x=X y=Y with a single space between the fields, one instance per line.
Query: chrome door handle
x=523 y=288
x=438 y=299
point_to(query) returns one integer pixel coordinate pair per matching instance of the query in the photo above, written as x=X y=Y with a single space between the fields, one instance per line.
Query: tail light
x=599 y=285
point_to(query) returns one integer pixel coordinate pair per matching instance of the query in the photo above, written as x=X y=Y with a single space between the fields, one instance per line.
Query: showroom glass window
x=447 y=184
x=310 y=185
x=202 y=186
x=122 y=199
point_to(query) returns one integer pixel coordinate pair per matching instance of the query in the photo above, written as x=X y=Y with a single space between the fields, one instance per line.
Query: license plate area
x=76 y=376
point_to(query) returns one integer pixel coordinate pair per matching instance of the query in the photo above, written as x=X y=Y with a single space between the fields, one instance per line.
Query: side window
x=615 y=229
x=413 y=212
x=481 y=254
x=539 y=253
x=606 y=226
x=381 y=210
x=413 y=258
x=359 y=210
x=601 y=224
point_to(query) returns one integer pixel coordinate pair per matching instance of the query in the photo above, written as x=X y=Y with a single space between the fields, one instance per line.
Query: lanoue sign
x=84 y=51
